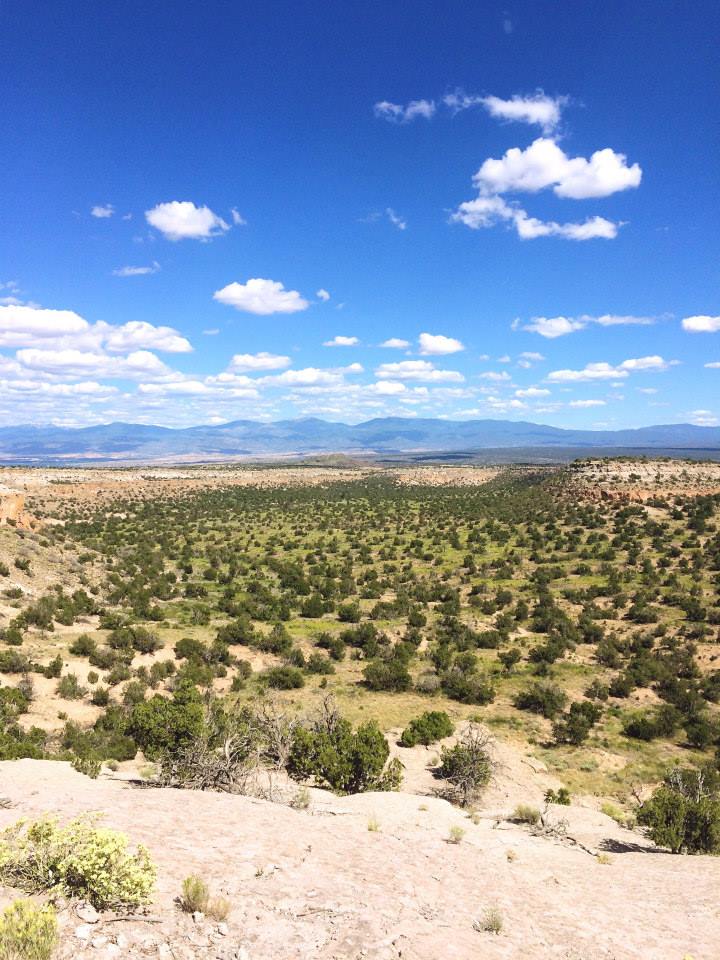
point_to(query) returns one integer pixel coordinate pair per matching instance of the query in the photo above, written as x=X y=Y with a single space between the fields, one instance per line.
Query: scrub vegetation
x=586 y=627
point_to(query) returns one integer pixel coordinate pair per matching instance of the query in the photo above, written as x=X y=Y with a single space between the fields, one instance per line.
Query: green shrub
x=159 y=725
x=87 y=766
x=27 y=931
x=468 y=766
x=345 y=760
x=560 y=797
x=69 y=688
x=684 y=812
x=524 y=813
x=389 y=675
x=78 y=860
x=429 y=727
x=195 y=894
x=283 y=678
x=546 y=699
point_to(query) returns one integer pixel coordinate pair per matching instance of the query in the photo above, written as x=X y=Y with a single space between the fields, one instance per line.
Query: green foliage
x=28 y=931
x=387 y=675
x=547 y=699
x=560 y=796
x=574 y=727
x=468 y=766
x=160 y=726
x=77 y=860
x=429 y=727
x=334 y=755
x=283 y=678
x=684 y=812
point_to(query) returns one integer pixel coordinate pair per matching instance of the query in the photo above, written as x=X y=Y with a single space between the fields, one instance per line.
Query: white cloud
x=653 y=363
x=322 y=294
x=532 y=356
x=137 y=271
x=552 y=327
x=605 y=371
x=544 y=164
x=538 y=109
x=495 y=377
x=182 y=220
x=435 y=344
x=593 y=371
x=259 y=361
x=397 y=113
x=21 y=325
x=388 y=388
x=588 y=403
x=395 y=219
x=486 y=212
x=26 y=326
x=261 y=297
x=701 y=324
x=102 y=212
x=417 y=370
x=72 y=362
x=395 y=343
x=308 y=376
x=340 y=341
x=704 y=418
x=530 y=392
x=713 y=365
x=138 y=334
x=237 y=218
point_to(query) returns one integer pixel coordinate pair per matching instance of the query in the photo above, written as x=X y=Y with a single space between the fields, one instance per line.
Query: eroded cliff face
x=12 y=509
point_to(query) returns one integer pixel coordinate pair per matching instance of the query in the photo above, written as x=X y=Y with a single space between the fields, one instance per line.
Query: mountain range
x=312 y=436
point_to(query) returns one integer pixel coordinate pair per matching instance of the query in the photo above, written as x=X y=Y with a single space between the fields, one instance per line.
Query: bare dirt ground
x=317 y=883
x=646 y=479
x=48 y=490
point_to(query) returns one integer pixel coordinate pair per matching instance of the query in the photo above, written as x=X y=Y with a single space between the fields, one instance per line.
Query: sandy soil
x=49 y=490
x=317 y=883
x=645 y=479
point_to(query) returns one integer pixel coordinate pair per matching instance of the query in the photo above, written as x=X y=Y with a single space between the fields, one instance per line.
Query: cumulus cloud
x=72 y=362
x=137 y=333
x=259 y=361
x=405 y=113
x=587 y=403
x=417 y=370
x=532 y=392
x=182 y=220
x=713 y=365
x=340 y=341
x=606 y=371
x=262 y=297
x=395 y=343
x=436 y=344
x=21 y=324
x=137 y=271
x=495 y=376
x=544 y=164
x=322 y=294
x=102 y=211
x=701 y=324
x=552 y=327
x=537 y=109
x=484 y=212
x=237 y=218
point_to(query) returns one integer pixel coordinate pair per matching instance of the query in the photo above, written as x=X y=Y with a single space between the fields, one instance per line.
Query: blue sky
x=212 y=211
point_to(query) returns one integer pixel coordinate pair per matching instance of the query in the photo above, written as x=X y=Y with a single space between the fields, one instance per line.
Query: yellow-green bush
x=78 y=860
x=27 y=931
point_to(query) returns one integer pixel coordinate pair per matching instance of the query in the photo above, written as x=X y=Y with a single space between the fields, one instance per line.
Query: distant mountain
x=387 y=435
